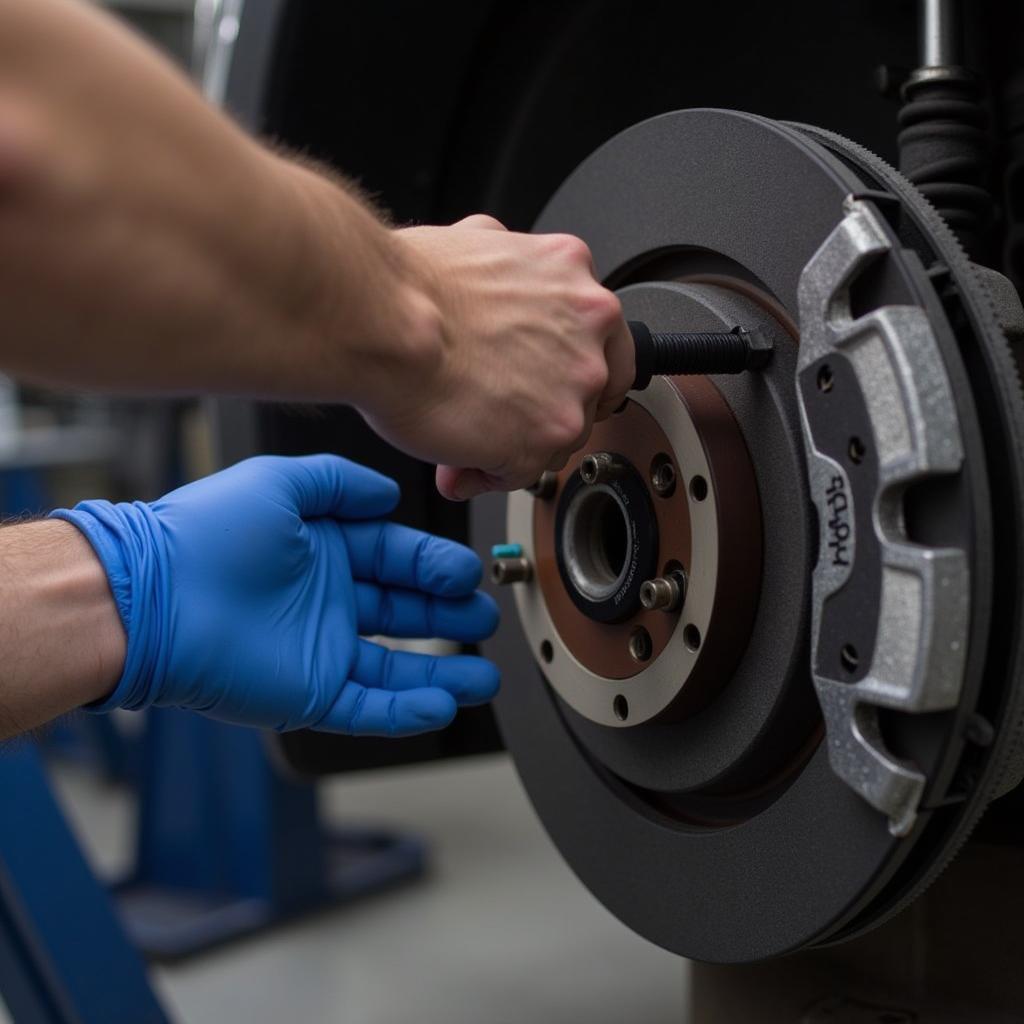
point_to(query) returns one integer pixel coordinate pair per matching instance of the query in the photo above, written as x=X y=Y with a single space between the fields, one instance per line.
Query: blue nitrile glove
x=244 y=595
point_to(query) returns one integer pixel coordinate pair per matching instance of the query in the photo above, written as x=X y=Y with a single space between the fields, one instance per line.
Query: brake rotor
x=802 y=743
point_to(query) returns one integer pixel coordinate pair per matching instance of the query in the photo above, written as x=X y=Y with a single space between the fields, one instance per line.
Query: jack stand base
x=168 y=923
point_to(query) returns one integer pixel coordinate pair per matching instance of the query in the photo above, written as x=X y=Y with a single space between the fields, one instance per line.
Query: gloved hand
x=243 y=596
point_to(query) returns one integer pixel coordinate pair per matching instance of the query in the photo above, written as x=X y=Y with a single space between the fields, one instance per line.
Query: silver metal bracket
x=917 y=662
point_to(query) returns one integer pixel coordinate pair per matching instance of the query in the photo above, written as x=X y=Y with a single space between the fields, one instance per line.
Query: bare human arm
x=148 y=244
x=60 y=636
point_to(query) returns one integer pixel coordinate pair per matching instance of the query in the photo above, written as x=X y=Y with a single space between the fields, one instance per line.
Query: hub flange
x=708 y=526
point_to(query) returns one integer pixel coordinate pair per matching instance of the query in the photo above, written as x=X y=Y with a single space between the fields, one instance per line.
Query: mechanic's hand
x=534 y=350
x=244 y=595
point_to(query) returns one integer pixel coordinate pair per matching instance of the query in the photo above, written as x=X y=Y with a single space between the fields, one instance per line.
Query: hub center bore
x=605 y=537
x=596 y=538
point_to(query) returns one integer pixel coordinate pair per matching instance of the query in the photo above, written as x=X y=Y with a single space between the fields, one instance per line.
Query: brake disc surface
x=814 y=733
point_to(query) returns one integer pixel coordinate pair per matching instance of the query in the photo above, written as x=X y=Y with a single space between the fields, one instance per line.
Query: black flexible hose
x=944 y=147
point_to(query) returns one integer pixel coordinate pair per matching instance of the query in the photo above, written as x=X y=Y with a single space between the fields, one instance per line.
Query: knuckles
x=592 y=373
x=563 y=429
x=482 y=220
x=569 y=247
x=603 y=308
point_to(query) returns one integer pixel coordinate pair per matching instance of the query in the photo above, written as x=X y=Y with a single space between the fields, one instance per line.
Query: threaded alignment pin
x=697 y=352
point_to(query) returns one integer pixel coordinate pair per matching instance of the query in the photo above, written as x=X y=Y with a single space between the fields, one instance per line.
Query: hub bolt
x=545 y=487
x=511 y=570
x=664 y=593
x=663 y=476
x=640 y=646
x=600 y=467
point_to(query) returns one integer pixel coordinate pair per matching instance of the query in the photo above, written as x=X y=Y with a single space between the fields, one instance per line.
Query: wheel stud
x=600 y=467
x=544 y=487
x=511 y=570
x=664 y=593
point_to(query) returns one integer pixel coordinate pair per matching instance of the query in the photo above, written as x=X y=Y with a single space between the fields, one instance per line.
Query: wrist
x=372 y=314
x=72 y=585
x=127 y=543
x=82 y=584
x=63 y=645
x=404 y=356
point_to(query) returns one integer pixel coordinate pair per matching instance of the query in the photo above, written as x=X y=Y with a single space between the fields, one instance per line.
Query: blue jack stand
x=228 y=846
x=64 y=957
x=94 y=742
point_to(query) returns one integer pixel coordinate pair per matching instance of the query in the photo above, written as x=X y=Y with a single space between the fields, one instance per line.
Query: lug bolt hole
x=692 y=637
x=547 y=652
x=825 y=379
x=856 y=450
x=640 y=646
x=663 y=475
x=849 y=658
x=698 y=488
x=621 y=708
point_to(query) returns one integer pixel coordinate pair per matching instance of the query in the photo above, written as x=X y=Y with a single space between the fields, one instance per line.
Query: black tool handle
x=696 y=352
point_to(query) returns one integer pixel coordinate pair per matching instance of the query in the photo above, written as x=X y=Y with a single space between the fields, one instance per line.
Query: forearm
x=147 y=243
x=61 y=640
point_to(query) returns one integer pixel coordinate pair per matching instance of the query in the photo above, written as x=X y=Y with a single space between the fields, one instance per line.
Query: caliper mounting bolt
x=664 y=593
x=600 y=467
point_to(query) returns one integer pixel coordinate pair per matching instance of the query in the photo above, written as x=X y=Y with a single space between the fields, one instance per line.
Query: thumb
x=328 y=485
x=463 y=484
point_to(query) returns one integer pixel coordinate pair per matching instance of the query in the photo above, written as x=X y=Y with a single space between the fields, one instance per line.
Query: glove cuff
x=128 y=542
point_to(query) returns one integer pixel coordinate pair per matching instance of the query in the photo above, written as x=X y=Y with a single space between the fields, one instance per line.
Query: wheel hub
x=683 y=499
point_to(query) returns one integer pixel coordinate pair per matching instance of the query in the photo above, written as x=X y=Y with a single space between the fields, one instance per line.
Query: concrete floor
x=501 y=932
